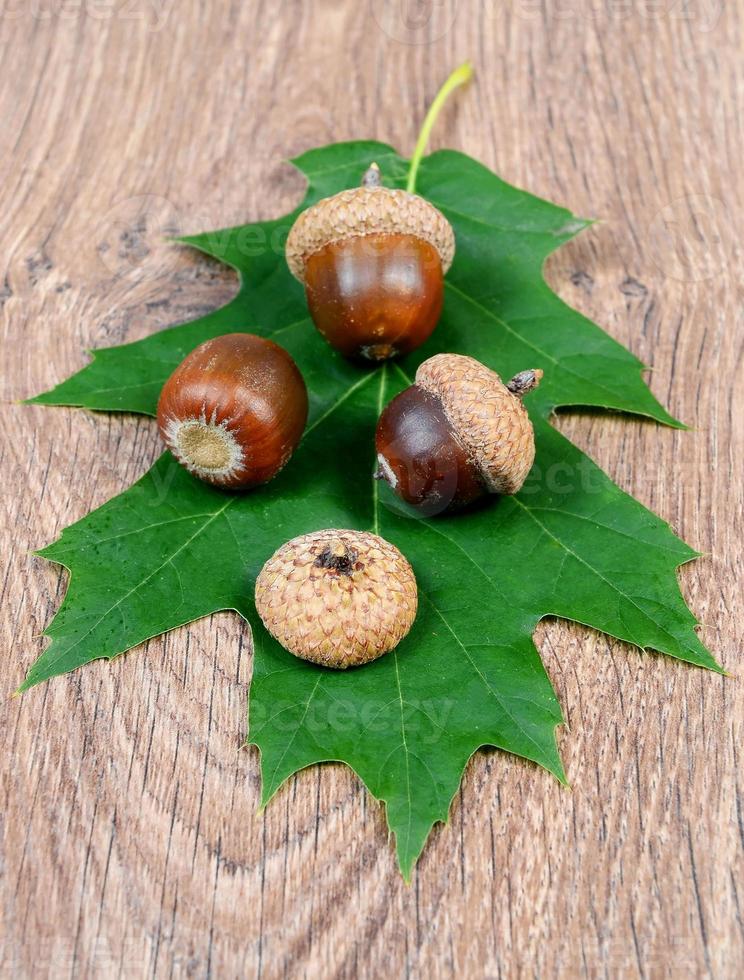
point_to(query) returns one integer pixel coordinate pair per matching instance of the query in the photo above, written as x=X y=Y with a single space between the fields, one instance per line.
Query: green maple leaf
x=570 y=544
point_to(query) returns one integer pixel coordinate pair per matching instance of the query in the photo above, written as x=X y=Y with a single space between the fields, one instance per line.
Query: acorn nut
x=234 y=410
x=372 y=260
x=338 y=598
x=455 y=435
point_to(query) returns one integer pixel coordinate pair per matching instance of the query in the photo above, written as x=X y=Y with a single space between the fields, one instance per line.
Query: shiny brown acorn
x=234 y=410
x=372 y=260
x=336 y=597
x=455 y=435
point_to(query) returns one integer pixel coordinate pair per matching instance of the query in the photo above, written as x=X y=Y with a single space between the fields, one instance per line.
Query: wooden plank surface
x=132 y=842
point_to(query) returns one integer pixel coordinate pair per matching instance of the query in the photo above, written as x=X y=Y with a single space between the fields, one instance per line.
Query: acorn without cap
x=234 y=410
x=339 y=598
x=372 y=260
x=456 y=435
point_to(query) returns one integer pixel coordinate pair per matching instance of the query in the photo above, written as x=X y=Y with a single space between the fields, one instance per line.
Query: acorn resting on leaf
x=234 y=410
x=338 y=598
x=455 y=435
x=372 y=260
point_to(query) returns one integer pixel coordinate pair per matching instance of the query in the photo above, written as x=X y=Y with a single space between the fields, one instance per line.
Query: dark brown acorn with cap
x=456 y=435
x=372 y=260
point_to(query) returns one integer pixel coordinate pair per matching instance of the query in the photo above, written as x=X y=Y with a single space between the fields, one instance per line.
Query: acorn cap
x=339 y=598
x=367 y=210
x=487 y=416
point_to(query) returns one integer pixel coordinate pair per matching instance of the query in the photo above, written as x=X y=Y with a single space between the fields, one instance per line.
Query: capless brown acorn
x=372 y=260
x=336 y=597
x=234 y=410
x=455 y=435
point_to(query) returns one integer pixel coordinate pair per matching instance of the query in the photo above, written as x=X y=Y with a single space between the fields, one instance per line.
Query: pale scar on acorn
x=372 y=260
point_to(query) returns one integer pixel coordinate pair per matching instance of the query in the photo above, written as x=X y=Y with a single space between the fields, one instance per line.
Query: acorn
x=372 y=261
x=338 y=598
x=234 y=410
x=456 y=435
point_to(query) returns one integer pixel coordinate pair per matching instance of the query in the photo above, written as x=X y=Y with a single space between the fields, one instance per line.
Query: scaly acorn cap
x=367 y=210
x=338 y=598
x=487 y=416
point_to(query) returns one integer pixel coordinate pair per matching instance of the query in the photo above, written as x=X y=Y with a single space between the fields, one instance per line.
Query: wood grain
x=133 y=845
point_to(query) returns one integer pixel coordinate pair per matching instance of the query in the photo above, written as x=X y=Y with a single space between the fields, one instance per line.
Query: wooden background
x=133 y=845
